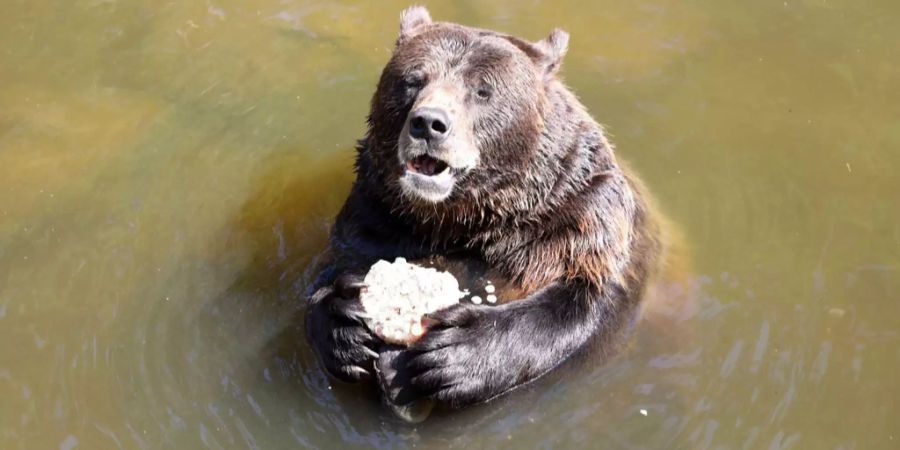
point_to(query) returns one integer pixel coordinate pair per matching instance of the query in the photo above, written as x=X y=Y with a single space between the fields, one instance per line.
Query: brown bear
x=479 y=160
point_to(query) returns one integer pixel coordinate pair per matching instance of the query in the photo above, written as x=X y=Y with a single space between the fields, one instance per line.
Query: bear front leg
x=475 y=353
x=335 y=326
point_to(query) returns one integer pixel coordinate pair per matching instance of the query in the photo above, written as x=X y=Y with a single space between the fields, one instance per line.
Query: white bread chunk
x=398 y=294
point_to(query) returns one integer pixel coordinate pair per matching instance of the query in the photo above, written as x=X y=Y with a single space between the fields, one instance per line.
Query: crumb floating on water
x=476 y=299
x=489 y=289
x=398 y=294
x=492 y=298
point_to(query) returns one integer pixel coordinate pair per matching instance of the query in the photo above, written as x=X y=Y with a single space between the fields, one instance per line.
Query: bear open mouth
x=428 y=178
x=427 y=165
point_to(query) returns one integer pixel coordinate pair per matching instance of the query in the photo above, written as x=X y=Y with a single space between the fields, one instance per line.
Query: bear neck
x=573 y=155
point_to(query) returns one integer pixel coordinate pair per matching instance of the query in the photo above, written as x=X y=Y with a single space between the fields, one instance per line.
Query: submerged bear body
x=479 y=160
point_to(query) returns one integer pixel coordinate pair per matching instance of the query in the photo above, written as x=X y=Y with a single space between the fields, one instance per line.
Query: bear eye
x=414 y=80
x=484 y=92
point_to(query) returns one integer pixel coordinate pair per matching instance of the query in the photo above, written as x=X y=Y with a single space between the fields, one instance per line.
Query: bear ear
x=412 y=18
x=551 y=50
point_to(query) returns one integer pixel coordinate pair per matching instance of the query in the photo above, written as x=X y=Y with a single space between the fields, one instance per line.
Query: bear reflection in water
x=479 y=161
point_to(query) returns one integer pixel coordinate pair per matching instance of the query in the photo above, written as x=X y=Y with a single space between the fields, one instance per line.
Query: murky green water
x=168 y=171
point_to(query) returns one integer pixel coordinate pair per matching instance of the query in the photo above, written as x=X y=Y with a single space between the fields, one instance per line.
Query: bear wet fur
x=536 y=194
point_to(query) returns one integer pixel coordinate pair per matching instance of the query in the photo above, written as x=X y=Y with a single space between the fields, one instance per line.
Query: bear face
x=458 y=109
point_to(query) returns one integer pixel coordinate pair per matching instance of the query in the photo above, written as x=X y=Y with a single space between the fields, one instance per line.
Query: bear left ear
x=552 y=50
x=412 y=18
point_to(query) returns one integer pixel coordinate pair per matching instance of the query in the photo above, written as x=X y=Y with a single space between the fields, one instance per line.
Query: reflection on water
x=168 y=173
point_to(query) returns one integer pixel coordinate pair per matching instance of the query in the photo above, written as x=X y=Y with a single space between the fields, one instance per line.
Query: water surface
x=168 y=172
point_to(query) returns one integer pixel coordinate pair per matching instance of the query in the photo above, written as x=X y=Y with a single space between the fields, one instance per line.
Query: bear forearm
x=495 y=349
x=557 y=322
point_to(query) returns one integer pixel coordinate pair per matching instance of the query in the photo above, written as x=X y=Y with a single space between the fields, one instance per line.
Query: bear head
x=459 y=112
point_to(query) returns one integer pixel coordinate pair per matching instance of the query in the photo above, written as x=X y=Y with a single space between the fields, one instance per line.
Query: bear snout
x=429 y=124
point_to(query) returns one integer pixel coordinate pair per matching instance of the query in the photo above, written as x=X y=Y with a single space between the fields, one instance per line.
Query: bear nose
x=431 y=124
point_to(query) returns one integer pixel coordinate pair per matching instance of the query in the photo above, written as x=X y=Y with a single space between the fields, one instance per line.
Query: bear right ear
x=552 y=49
x=411 y=19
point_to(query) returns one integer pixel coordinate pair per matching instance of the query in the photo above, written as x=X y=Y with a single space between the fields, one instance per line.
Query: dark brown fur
x=548 y=207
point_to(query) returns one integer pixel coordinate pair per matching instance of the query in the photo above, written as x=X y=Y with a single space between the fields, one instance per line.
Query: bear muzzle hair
x=436 y=145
